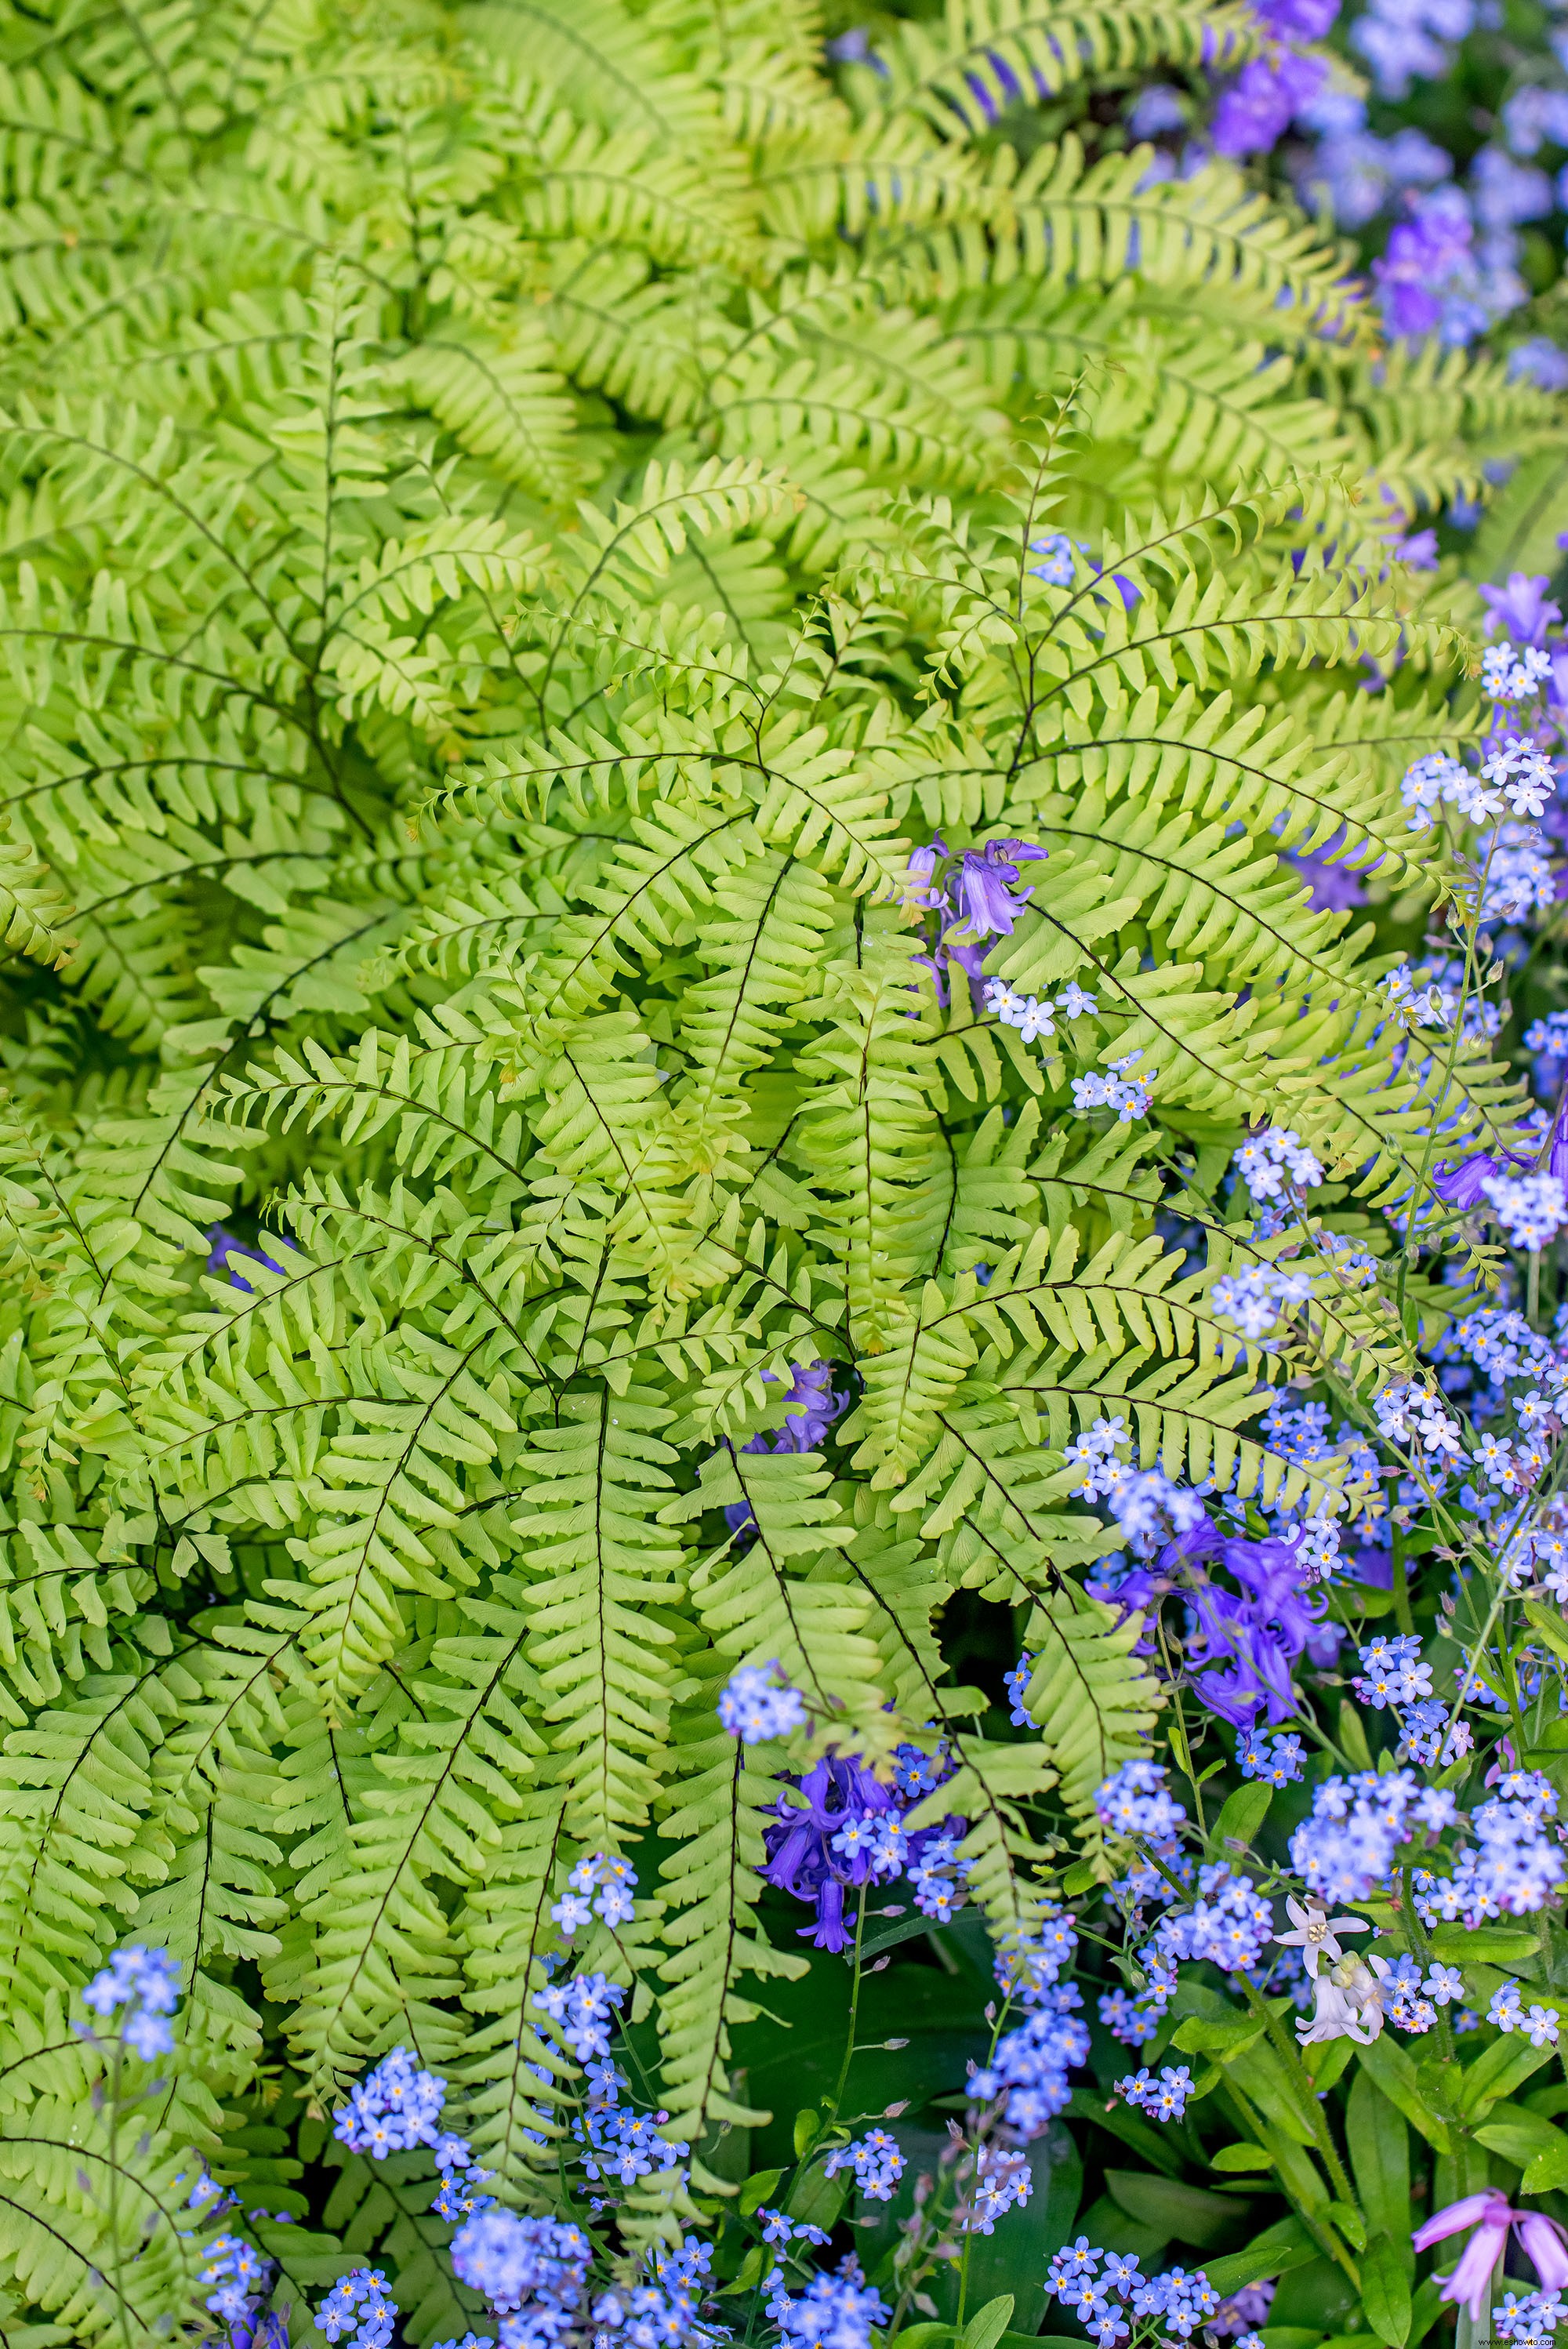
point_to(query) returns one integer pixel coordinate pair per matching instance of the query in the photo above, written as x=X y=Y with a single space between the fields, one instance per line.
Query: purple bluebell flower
x=990 y=898
x=837 y=1828
x=1418 y=548
x=1334 y=886
x=1521 y=608
x=1556 y=1162
x=920 y=881
x=226 y=1245
x=1429 y=268
x=1259 y=105
x=815 y=1407
x=261 y=2328
x=1461 y=1181
x=1296 y=20
x=1241 y=1643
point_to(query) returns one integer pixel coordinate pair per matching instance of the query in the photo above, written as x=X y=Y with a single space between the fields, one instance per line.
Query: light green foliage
x=515 y=521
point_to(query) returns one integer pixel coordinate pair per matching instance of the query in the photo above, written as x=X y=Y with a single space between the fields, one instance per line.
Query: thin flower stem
x=1411 y=1249
x=1179 y=1732
x=854 y=2012
x=1402 y=1614
x=121 y=2309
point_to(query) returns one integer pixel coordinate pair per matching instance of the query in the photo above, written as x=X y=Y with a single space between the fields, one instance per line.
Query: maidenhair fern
x=655 y=711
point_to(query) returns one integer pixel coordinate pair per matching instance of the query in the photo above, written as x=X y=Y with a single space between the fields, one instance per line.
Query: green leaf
x=1241 y=2157
x=1530 y=2142
x=1353 y=1735
x=763 y=2184
x=1242 y=1815
x=1504 y=1945
x=1188 y=2213
x=987 y=2326
x=1392 y=2071
x=1548 y=1625
x=1496 y=2072
x=1277 y=2251
x=1141 y=2136
x=1385 y=2290
x=1380 y=2147
x=1221 y=2036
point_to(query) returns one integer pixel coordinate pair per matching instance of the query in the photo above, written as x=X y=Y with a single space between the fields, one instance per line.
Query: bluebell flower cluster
x=1240 y=1645
x=976 y=897
x=839 y=1829
x=146 y=1983
x=815 y=1403
x=223 y=1246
